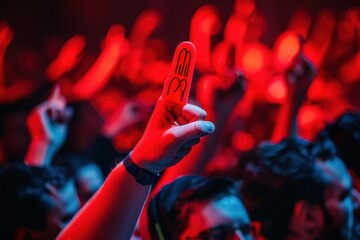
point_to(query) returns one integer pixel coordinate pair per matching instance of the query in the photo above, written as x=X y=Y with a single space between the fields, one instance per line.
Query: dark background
x=36 y=20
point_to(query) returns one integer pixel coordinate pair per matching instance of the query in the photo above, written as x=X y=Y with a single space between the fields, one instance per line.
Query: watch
x=141 y=175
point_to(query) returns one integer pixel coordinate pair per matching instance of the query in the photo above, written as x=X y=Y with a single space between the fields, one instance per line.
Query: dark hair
x=164 y=209
x=73 y=162
x=24 y=198
x=284 y=173
x=345 y=133
x=324 y=148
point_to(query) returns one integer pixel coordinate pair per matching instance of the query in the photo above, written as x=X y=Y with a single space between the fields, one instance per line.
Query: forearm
x=286 y=122
x=113 y=211
x=99 y=74
x=299 y=77
x=39 y=153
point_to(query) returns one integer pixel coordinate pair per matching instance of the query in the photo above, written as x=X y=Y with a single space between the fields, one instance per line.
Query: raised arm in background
x=218 y=95
x=47 y=124
x=298 y=78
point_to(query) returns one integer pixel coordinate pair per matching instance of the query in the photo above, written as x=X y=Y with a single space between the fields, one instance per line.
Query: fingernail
x=208 y=127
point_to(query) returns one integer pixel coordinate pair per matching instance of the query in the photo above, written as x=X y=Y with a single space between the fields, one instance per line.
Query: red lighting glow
x=319 y=41
x=276 y=91
x=206 y=20
x=308 y=115
x=242 y=141
x=205 y=23
x=156 y=71
x=244 y=7
x=67 y=58
x=100 y=72
x=144 y=25
x=223 y=57
x=287 y=47
x=253 y=60
x=300 y=23
x=235 y=30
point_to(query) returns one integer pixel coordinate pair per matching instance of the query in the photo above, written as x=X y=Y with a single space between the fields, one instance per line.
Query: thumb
x=187 y=132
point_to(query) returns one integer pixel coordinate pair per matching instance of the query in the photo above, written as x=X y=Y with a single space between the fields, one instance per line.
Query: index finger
x=178 y=83
x=56 y=98
x=55 y=93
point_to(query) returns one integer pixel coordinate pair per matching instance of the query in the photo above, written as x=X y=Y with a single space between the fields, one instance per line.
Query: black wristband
x=141 y=175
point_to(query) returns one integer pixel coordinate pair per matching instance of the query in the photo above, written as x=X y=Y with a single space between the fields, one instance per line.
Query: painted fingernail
x=208 y=127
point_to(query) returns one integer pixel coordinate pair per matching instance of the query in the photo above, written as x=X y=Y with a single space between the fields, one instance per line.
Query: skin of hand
x=169 y=136
x=128 y=114
x=69 y=57
x=47 y=123
x=218 y=94
x=100 y=72
x=300 y=75
x=217 y=98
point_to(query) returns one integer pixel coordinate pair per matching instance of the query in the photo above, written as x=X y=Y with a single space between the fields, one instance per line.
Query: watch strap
x=141 y=175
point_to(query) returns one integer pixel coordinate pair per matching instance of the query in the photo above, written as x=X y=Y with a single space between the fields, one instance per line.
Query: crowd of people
x=263 y=143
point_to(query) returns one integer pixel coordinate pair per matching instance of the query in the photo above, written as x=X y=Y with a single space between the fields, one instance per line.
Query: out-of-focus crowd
x=280 y=160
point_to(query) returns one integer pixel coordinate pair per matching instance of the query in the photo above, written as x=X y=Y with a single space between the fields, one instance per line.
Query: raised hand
x=18 y=88
x=68 y=57
x=100 y=72
x=174 y=126
x=47 y=124
x=300 y=74
x=129 y=113
x=169 y=137
x=204 y=24
x=218 y=95
x=172 y=130
x=6 y=36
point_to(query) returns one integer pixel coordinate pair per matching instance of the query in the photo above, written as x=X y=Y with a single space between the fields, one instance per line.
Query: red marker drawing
x=177 y=85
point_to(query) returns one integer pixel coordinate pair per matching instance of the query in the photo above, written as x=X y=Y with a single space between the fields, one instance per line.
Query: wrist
x=141 y=175
x=141 y=162
x=47 y=144
x=39 y=153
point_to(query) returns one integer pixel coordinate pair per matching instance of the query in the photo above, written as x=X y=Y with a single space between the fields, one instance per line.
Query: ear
x=307 y=220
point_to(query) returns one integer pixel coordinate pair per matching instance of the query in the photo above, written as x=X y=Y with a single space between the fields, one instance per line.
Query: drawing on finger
x=177 y=85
